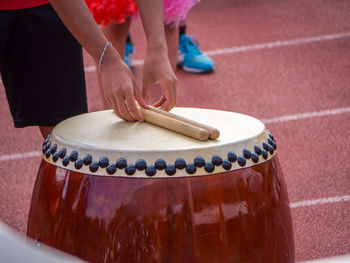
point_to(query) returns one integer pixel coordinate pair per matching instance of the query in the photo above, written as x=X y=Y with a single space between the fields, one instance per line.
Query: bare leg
x=45 y=130
x=182 y=22
x=182 y=27
x=117 y=34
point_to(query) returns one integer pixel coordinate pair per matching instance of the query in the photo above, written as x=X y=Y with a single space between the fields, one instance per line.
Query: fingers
x=125 y=106
x=123 y=109
x=168 y=100
x=119 y=113
x=159 y=102
x=133 y=109
x=120 y=90
x=169 y=89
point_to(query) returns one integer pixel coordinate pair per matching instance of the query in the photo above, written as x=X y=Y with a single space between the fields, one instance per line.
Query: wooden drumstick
x=213 y=133
x=174 y=125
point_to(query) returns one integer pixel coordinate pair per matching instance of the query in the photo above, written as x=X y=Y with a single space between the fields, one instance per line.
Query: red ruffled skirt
x=118 y=10
x=106 y=10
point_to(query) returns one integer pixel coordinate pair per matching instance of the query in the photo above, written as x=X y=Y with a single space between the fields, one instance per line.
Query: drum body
x=238 y=215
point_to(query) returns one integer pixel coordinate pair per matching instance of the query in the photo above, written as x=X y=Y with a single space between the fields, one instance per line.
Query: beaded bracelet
x=103 y=52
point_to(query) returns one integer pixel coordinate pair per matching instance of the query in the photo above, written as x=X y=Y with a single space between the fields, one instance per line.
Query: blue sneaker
x=129 y=55
x=191 y=59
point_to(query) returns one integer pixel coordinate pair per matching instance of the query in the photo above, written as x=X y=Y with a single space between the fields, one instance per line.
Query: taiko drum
x=114 y=191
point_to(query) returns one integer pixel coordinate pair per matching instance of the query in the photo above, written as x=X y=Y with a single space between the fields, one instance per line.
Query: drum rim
x=202 y=161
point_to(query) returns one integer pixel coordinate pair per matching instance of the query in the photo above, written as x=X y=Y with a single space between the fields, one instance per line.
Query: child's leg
x=46 y=130
x=117 y=34
x=182 y=27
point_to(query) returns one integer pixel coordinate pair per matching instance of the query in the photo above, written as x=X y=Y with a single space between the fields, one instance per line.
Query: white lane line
x=292 y=42
x=297 y=41
x=15 y=156
x=336 y=259
x=328 y=200
x=307 y=115
x=270 y=45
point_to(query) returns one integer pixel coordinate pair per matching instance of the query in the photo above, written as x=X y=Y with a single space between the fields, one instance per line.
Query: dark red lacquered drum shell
x=237 y=216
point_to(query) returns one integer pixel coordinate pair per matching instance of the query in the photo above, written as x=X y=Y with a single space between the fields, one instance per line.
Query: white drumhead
x=103 y=134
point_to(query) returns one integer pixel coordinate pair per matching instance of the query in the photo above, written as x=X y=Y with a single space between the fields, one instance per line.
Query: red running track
x=285 y=62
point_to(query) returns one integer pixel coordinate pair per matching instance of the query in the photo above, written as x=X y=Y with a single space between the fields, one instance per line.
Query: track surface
x=285 y=62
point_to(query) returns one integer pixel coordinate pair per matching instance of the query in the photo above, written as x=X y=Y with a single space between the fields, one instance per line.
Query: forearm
x=78 y=19
x=152 y=16
x=157 y=68
x=119 y=86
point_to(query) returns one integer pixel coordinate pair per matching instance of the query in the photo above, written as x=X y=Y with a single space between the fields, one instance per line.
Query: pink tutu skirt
x=118 y=10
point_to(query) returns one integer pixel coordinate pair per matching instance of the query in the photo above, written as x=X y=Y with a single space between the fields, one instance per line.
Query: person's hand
x=158 y=71
x=120 y=88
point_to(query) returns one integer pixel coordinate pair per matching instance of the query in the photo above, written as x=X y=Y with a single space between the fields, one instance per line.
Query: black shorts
x=41 y=67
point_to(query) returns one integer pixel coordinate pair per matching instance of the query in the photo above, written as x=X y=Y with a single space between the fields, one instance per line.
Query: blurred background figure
x=115 y=16
x=183 y=50
x=190 y=58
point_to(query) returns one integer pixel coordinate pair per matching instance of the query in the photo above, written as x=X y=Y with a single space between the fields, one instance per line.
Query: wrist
x=157 y=44
x=102 y=55
x=109 y=58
